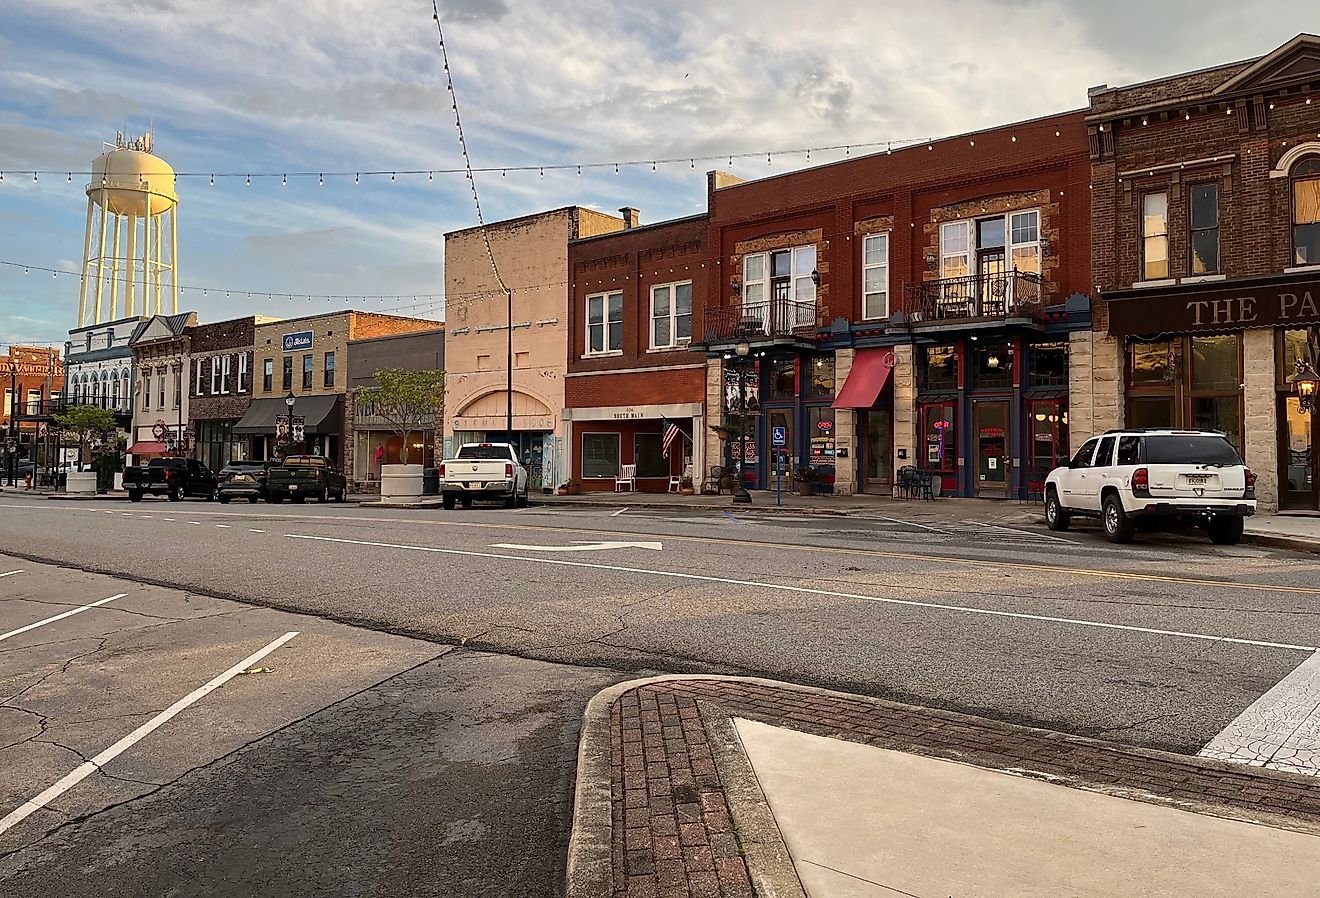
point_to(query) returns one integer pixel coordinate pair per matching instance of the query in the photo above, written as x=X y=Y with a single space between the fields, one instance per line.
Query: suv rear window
x=1190 y=450
x=489 y=453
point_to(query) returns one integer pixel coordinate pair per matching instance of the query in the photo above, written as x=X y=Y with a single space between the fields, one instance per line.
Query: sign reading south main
x=298 y=341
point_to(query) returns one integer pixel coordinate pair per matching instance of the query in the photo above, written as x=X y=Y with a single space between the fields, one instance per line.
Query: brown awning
x=1216 y=306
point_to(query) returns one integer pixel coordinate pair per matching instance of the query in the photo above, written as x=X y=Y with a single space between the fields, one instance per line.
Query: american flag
x=671 y=434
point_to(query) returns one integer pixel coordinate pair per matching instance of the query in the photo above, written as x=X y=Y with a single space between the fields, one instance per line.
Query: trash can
x=431 y=482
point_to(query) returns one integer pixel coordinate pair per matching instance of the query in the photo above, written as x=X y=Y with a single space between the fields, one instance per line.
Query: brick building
x=1206 y=242
x=304 y=356
x=634 y=295
x=220 y=385
x=910 y=307
x=505 y=355
x=161 y=348
x=32 y=379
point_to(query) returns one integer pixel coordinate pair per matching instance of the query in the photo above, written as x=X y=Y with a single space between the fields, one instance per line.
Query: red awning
x=147 y=448
x=867 y=378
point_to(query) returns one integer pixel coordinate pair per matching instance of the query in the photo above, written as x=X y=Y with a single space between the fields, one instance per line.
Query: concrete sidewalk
x=866 y=822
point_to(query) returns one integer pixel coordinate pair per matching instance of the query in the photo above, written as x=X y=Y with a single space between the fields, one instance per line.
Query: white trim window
x=1024 y=241
x=161 y=372
x=224 y=376
x=242 y=372
x=784 y=274
x=178 y=386
x=146 y=392
x=955 y=249
x=1155 y=236
x=605 y=324
x=875 y=276
x=215 y=375
x=201 y=377
x=671 y=315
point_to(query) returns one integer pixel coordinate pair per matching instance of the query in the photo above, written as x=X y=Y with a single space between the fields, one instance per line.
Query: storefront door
x=782 y=417
x=879 y=452
x=990 y=436
x=1299 y=467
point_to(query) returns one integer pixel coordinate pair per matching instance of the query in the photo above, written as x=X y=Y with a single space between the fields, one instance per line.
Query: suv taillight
x=441 y=470
x=508 y=471
x=1250 y=491
x=1141 y=482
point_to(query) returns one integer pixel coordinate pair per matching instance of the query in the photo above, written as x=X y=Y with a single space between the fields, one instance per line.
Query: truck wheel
x=1225 y=530
x=511 y=500
x=1056 y=516
x=224 y=500
x=447 y=502
x=135 y=495
x=1118 y=526
x=339 y=496
x=252 y=500
x=174 y=495
x=325 y=495
x=527 y=494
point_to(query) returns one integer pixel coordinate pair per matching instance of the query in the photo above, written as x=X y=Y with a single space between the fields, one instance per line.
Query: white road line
x=11 y=573
x=145 y=517
x=255 y=531
x=907 y=523
x=223 y=526
x=51 y=620
x=171 y=520
x=82 y=771
x=1031 y=533
x=615 y=514
x=1281 y=729
x=198 y=523
x=126 y=514
x=912 y=603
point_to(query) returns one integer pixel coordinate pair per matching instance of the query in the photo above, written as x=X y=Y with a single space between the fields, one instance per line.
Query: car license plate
x=1198 y=478
x=293 y=488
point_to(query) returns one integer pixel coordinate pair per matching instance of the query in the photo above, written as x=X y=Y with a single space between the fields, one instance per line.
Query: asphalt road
x=417 y=737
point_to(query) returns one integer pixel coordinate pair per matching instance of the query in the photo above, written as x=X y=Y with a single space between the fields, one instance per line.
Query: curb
x=1284 y=542
x=590 y=871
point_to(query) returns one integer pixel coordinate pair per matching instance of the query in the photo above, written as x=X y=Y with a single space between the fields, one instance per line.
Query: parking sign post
x=778 y=438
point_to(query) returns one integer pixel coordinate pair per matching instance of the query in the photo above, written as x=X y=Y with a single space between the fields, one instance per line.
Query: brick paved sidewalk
x=686 y=819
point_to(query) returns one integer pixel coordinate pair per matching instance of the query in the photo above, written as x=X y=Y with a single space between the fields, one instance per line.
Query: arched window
x=125 y=392
x=114 y=392
x=1305 y=177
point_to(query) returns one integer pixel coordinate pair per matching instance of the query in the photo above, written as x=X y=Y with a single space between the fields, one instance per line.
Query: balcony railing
x=58 y=405
x=770 y=320
x=1009 y=294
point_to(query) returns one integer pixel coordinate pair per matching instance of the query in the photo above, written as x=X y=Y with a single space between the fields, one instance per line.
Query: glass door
x=782 y=455
x=1297 y=456
x=990 y=435
x=879 y=452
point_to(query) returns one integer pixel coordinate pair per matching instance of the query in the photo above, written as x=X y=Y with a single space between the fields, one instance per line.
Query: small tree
x=86 y=423
x=405 y=400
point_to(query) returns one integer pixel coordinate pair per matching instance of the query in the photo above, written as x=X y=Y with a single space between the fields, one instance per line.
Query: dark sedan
x=242 y=480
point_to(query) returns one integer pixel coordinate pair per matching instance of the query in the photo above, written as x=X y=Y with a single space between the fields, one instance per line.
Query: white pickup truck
x=488 y=471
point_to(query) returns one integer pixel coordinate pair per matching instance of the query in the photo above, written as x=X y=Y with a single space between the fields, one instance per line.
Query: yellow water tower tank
x=130 y=251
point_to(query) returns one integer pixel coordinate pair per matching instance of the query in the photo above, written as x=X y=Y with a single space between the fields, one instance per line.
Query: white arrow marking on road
x=581 y=547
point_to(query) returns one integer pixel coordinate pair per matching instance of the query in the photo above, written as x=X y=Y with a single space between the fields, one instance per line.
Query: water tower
x=131 y=245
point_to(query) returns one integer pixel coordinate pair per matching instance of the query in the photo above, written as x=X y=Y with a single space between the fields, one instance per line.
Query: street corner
x=738 y=786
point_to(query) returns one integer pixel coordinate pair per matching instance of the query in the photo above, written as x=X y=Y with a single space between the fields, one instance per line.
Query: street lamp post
x=11 y=446
x=740 y=495
x=289 y=401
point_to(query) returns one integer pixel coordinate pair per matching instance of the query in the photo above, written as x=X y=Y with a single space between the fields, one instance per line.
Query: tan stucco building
x=496 y=372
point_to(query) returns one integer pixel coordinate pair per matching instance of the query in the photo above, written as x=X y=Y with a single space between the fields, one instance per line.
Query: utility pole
x=508 y=418
x=11 y=445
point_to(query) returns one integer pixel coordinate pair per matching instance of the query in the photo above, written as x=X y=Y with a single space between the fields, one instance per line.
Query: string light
x=321 y=179
x=212 y=181
x=249 y=180
x=70 y=177
x=284 y=181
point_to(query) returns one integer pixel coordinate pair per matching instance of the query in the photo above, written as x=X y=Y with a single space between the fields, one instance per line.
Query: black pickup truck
x=171 y=477
x=303 y=477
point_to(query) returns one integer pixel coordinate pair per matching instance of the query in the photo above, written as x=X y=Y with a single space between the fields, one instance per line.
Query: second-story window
x=783 y=276
x=215 y=375
x=178 y=386
x=161 y=372
x=1203 y=217
x=875 y=276
x=671 y=315
x=201 y=377
x=329 y=369
x=1154 y=236
x=1306 y=211
x=287 y=373
x=146 y=392
x=224 y=376
x=242 y=372
x=268 y=375
x=604 y=323
x=307 y=372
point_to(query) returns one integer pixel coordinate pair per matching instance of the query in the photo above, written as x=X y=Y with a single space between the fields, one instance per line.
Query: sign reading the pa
x=298 y=341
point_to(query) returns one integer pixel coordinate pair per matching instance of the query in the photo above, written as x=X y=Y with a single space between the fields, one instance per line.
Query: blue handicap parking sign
x=778 y=436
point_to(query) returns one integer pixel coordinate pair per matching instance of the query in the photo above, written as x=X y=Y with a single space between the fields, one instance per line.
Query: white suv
x=1185 y=476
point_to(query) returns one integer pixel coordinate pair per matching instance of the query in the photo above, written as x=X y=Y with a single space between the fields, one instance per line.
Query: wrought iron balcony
x=978 y=297
x=761 y=321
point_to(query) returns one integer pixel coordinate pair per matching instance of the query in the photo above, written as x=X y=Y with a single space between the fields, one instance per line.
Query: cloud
x=475 y=10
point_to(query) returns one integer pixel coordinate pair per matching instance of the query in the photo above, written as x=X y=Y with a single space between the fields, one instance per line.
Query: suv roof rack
x=1182 y=430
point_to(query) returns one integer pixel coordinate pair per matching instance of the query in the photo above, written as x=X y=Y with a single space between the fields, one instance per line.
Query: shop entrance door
x=990 y=439
x=879 y=461
x=1299 y=467
x=780 y=417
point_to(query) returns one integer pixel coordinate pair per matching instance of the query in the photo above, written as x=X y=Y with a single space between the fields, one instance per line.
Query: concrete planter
x=400 y=483
x=82 y=482
x=119 y=481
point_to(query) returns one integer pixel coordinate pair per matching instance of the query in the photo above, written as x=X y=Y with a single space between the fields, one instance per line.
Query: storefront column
x=845 y=429
x=714 y=452
x=1095 y=379
x=1259 y=415
x=904 y=376
x=698 y=449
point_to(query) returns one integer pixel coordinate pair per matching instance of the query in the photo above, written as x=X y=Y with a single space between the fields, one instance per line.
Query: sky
x=358 y=85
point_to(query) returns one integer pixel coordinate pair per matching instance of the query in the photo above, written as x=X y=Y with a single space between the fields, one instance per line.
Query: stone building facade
x=161 y=356
x=220 y=384
x=1206 y=244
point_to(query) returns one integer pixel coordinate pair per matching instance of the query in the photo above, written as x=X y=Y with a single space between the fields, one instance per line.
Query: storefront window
x=600 y=455
x=1191 y=382
x=1048 y=364
x=1215 y=363
x=1298 y=344
x=940 y=452
x=820 y=442
x=1150 y=363
x=939 y=368
x=1218 y=413
x=1049 y=435
x=822 y=376
x=783 y=378
x=992 y=364
x=1150 y=411
x=648 y=455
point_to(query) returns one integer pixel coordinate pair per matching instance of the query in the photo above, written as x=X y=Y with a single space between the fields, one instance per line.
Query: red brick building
x=908 y=308
x=1206 y=245
x=634 y=298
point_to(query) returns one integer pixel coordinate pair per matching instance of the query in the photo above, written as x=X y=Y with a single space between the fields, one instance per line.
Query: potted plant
x=686 y=487
x=724 y=431
x=568 y=488
x=805 y=477
x=728 y=482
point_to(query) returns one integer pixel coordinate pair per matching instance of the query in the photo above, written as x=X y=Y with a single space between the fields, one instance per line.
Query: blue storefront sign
x=299 y=341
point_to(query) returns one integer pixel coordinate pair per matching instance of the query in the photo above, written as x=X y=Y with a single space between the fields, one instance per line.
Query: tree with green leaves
x=86 y=423
x=405 y=400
